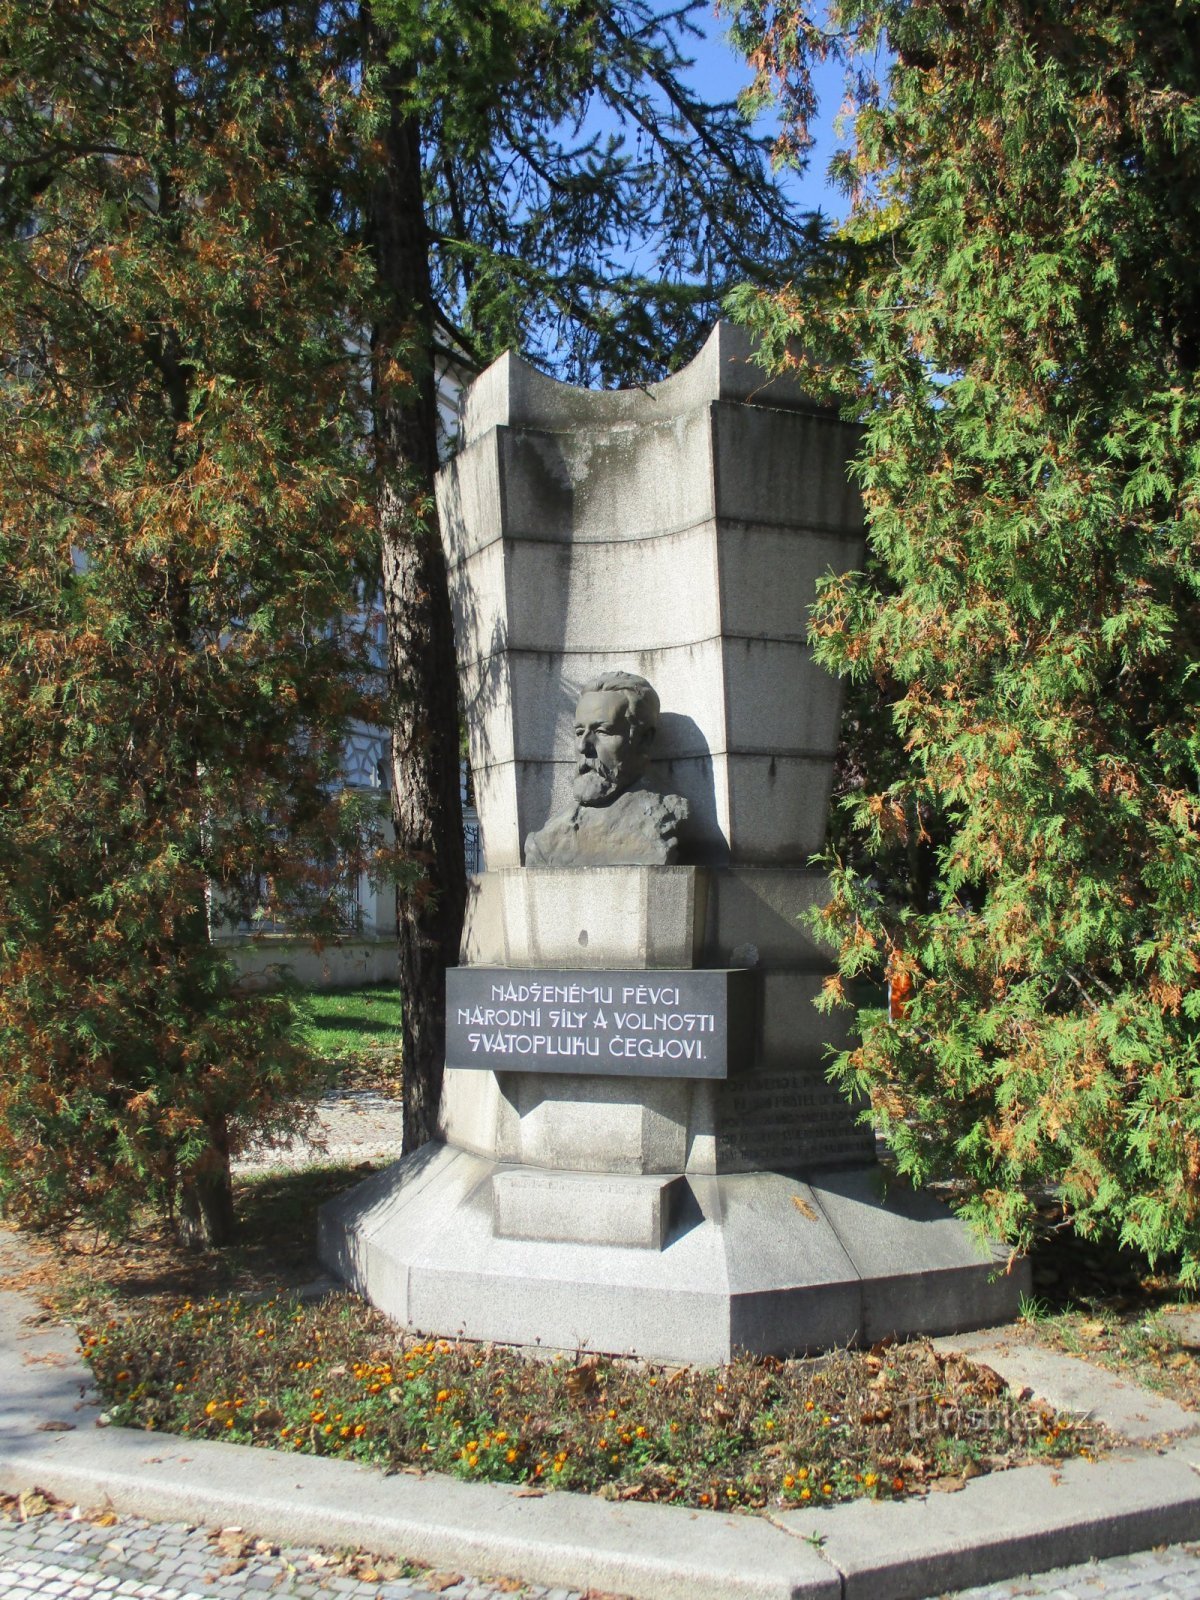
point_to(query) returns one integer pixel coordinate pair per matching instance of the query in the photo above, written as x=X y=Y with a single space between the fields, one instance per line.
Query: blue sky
x=720 y=72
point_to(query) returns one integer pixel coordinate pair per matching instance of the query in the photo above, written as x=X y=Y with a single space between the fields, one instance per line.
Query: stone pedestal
x=675 y=1218
x=775 y=1108
x=654 y=1207
x=691 y=1269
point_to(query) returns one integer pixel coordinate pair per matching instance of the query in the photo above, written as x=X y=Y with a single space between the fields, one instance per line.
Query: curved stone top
x=512 y=393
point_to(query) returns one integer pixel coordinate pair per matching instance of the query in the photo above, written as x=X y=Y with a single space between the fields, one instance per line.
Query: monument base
x=673 y=1268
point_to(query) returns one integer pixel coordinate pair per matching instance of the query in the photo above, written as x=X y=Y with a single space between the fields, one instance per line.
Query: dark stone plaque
x=626 y=1024
x=788 y=1121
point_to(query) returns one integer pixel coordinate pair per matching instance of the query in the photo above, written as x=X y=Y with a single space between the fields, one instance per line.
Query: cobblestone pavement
x=61 y=1555
x=351 y=1125
x=1172 y=1573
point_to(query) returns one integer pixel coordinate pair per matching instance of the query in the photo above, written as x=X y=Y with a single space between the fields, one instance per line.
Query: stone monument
x=638 y=1150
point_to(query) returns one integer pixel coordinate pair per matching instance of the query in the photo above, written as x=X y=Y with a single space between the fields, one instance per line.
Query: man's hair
x=639 y=694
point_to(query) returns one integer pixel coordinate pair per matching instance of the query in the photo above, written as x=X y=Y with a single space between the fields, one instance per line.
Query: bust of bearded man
x=615 y=821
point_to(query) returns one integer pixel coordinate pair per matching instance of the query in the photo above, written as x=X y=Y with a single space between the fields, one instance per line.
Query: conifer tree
x=185 y=528
x=1014 y=316
x=233 y=240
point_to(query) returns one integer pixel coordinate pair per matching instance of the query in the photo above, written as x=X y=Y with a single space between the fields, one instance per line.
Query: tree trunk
x=426 y=806
x=206 y=1218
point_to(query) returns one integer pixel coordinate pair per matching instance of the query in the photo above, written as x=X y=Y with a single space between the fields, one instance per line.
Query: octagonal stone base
x=689 y=1269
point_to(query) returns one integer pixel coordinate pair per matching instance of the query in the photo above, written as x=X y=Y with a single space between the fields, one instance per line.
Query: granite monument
x=638 y=1150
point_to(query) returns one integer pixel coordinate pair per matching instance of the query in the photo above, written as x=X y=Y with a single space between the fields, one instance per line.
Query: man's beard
x=595 y=783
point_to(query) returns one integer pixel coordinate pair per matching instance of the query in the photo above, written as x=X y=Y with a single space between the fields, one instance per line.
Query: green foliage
x=184 y=529
x=1016 y=323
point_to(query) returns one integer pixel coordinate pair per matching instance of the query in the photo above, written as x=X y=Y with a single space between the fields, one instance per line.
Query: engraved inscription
x=669 y=1024
x=788 y=1120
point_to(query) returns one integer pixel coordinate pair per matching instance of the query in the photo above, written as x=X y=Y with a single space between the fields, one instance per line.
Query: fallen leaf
x=804 y=1208
x=232 y=1542
x=581 y=1380
x=987 y=1381
x=442 y=1580
x=529 y=1494
x=33 y=1503
x=56 y=1425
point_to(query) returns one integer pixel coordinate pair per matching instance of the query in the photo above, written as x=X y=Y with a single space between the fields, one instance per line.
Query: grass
x=1113 y=1307
x=345 y=1022
x=357 y=1032
x=1144 y=1346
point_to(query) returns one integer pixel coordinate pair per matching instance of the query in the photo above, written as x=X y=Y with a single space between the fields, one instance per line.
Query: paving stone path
x=59 y=1555
x=1172 y=1573
x=351 y=1125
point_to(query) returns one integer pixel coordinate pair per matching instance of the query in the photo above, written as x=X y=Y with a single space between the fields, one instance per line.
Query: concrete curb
x=1024 y=1520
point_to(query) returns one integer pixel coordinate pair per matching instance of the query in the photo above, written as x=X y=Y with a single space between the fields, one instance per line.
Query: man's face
x=610 y=746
